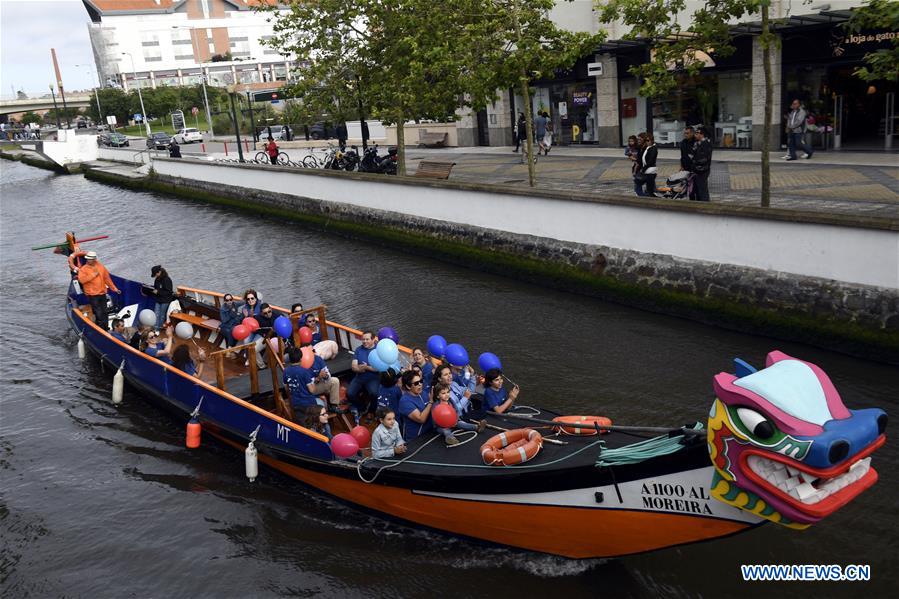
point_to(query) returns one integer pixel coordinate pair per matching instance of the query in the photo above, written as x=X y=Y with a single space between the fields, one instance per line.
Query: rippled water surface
x=105 y=501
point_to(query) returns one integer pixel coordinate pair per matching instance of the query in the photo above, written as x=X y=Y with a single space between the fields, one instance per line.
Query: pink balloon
x=308 y=358
x=344 y=445
x=273 y=343
x=362 y=436
x=251 y=323
x=240 y=332
x=444 y=415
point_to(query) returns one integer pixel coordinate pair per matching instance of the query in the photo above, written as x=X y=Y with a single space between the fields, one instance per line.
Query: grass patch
x=788 y=324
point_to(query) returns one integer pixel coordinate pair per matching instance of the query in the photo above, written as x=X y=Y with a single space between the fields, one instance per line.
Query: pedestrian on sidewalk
x=687 y=147
x=548 y=137
x=632 y=152
x=702 y=165
x=521 y=131
x=796 y=123
x=271 y=148
x=648 y=155
x=540 y=130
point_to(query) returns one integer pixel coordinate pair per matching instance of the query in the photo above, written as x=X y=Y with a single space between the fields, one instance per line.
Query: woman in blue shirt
x=415 y=411
x=496 y=399
x=181 y=360
x=161 y=350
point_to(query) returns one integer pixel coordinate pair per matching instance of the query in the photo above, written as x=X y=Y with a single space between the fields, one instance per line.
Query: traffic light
x=268 y=96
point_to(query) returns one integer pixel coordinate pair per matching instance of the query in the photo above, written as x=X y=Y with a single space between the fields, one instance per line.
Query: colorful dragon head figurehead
x=783 y=444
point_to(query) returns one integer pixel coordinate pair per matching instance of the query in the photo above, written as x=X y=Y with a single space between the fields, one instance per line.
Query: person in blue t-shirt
x=389 y=393
x=496 y=399
x=420 y=359
x=182 y=361
x=366 y=376
x=161 y=350
x=118 y=329
x=300 y=383
x=465 y=377
x=415 y=411
x=312 y=324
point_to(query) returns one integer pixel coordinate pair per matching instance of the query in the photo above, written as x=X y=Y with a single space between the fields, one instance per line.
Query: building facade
x=177 y=42
x=813 y=62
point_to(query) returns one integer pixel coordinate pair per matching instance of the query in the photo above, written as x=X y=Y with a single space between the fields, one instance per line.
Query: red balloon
x=344 y=445
x=240 y=332
x=444 y=415
x=305 y=335
x=251 y=323
x=308 y=357
x=361 y=435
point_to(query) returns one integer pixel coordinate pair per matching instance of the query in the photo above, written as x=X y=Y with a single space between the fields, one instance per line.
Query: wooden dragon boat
x=779 y=446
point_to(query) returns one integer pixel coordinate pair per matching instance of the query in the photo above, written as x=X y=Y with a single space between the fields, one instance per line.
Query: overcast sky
x=28 y=29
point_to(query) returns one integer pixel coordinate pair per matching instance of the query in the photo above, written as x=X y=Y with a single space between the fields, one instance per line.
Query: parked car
x=112 y=139
x=160 y=141
x=321 y=131
x=188 y=136
x=278 y=133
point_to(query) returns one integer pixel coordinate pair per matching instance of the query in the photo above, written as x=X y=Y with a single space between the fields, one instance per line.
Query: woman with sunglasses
x=415 y=411
x=229 y=315
x=161 y=350
x=250 y=305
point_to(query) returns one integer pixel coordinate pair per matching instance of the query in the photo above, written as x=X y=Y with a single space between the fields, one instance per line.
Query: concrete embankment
x=32 y=159
x=823 y=279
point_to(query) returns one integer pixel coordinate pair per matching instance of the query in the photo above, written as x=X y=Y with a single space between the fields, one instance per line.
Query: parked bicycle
x=263 y=158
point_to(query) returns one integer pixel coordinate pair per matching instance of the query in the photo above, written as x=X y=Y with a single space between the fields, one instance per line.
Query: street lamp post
x=55 y=108
x=196 y=52
x=139 y=95
x=96 y=90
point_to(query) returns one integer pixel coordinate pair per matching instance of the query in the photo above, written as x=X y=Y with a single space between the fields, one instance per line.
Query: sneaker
x=482 y=425
x=807 y=156
x=804 y=155
x=452 y=440
x=787 y=157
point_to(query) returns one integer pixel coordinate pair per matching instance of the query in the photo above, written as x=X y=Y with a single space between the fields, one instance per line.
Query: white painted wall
x=851 y=255
x=71 y=148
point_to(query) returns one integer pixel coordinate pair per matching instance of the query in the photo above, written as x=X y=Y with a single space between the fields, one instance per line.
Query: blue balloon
x=456 y=354
x=283 y=327
x=487 y=361
x=437 y=346
x=375 y=361
x=388 y=333
x=388 y=351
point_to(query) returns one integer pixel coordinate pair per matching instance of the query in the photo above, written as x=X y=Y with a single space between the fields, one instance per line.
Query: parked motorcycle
x=373 y=163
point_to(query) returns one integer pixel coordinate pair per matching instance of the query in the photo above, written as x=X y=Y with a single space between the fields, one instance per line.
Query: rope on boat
x=524 y=466
x=392 y=465
x=643 y=450
x=683 y=430
x=515 y=410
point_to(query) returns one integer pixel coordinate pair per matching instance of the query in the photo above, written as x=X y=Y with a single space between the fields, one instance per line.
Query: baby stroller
x=677 y=186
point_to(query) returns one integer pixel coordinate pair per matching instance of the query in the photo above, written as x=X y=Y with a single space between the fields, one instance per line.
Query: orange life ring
x=572 y=430
x=512 y=447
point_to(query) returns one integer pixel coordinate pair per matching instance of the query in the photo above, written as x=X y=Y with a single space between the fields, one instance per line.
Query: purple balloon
x=388 y=333
x=456 y=354
x=436 y=346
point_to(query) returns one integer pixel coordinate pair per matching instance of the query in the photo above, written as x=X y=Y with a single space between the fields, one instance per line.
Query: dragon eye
x=760 y=426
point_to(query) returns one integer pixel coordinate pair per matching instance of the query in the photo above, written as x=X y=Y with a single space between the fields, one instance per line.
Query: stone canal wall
x=829 y=280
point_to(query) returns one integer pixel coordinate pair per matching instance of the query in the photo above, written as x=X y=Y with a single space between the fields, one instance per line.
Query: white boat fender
x=82 y=352
x=118 y=385
x=250 y=457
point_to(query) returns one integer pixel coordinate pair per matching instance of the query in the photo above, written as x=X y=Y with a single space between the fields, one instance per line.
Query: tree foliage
x=30 y=117
x=879 y=15
x=415 y=59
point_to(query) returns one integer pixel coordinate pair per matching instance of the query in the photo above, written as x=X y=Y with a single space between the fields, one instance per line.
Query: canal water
x=105 y=501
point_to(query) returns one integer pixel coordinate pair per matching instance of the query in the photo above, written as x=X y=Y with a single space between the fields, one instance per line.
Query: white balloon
x=184 y=330
x=147 y=317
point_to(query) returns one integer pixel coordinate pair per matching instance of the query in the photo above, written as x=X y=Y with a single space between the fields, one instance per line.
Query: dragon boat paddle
x=661 y=430
x=65 y=243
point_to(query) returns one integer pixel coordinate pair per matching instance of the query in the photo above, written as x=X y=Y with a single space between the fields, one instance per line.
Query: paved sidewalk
x=833 y=182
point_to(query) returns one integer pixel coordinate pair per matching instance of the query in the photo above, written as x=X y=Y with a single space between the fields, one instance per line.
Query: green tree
x=880 y=15
x=30 y=117
x=681 y=51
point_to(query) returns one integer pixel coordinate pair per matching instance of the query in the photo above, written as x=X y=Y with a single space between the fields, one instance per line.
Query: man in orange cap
x=95 y=281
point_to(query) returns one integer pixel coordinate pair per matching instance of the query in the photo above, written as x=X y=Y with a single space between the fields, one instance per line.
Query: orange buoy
x=512 y=447
x=577 y=430
x=193 y=433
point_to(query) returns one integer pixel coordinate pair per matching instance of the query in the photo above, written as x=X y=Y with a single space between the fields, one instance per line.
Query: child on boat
x=496 y=398
x=441 y=395
x=386 y=441
x=316 y=419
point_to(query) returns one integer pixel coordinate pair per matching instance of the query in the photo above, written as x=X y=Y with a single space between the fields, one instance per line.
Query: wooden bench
x=426 y=138
x=432 y=169
x=201 y=322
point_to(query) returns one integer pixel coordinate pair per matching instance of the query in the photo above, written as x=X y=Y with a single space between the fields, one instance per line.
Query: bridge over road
x=79 y=100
